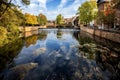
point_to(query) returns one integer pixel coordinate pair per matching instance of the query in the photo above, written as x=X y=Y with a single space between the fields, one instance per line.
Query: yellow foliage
x=31 y=19
x=3 y=35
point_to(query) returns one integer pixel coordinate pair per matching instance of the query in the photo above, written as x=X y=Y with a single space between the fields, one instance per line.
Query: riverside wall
x=113 y=36
x=30 y=28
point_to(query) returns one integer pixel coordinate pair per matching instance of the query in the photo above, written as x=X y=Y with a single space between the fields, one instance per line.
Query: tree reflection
x=31 y=40
x=9 y=51
x=87 y=45
x=42 y=35
x=59 y=33
x=109 y=62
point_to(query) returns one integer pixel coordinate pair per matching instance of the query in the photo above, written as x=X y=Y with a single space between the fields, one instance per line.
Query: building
x=116 y=6
x=104 y=5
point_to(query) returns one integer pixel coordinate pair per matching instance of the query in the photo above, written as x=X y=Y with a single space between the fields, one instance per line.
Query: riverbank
x=113 y=36
x=30 y=28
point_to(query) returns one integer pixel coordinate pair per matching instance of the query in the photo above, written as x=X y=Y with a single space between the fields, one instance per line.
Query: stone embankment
x=113 y=36
x=30 y=28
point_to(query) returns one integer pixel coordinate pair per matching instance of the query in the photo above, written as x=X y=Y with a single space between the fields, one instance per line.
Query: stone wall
x=30 y=28
x=104 y=34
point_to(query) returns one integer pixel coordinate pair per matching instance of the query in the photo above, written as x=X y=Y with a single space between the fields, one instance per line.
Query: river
x=60 y=54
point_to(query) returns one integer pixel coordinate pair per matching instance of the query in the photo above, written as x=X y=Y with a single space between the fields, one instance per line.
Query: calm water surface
x=54 y=54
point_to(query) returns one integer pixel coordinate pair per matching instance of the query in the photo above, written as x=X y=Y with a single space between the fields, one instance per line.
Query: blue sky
x=51 y=8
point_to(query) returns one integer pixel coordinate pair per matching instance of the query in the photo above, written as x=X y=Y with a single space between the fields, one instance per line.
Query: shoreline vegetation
x=12 y=18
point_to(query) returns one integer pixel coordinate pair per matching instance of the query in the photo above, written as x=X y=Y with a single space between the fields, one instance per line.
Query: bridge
x=73 y=22
x=68 y=23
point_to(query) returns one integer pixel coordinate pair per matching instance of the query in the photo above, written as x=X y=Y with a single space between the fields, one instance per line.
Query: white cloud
x=63 y=2
x=65 y=11
x=39 y=6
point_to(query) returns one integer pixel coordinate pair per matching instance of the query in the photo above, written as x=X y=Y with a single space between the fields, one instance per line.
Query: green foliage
x=20 y=17
x=8 y=18
x=87 y=12
x=10 y=22
x=13 y=32
x=5 y=4
x=59 y=19
x=42 y=20
x=26 y=2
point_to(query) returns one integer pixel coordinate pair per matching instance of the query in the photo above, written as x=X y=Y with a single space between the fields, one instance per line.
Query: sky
x=51 y=8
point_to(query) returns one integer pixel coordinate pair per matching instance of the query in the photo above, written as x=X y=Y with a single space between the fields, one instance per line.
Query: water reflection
x=31 y=40
x=63 y=54
x=8 y=52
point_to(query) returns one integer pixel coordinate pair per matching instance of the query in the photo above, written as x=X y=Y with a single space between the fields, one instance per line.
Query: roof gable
x=102 y=1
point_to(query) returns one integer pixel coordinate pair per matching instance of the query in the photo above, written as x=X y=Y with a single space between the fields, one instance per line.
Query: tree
x=3 y=35
x=59 y=19
x=30 y=19
x=107 y=16
x=10 y=18
x=42 y=20
x=87 y=12
x=4 y=4
x=20 y=17
x=116 y=3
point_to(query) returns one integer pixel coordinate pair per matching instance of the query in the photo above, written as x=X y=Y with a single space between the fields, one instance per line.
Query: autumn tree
x=59 y=19
x=20 y=16
x=5 y=4
x=87 y=12
x=107 y=16
x=10 y=18
x=42 y=20
x=116 y=3
x=30 y=19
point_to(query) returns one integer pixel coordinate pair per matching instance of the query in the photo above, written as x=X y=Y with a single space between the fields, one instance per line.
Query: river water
x=60 y=54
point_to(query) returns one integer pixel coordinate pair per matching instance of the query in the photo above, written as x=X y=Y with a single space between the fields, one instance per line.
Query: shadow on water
x=60 y=54
x=107 y=54
x=8 y=52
